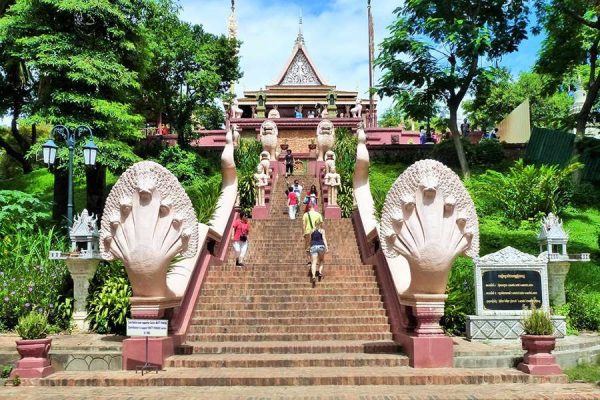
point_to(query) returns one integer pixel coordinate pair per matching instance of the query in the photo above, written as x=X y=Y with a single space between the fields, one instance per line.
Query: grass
x=40 y=183
x=584 y=372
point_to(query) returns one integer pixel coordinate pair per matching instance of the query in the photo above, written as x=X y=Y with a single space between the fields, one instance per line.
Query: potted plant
x=33 y=347
x=312 y=145
x=539 y=341
x=284 y=145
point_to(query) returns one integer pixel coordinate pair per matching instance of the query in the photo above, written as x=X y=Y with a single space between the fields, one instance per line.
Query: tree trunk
x=584 y=114
x=95 y=183
x=21 y=142
x=460 y=151
x=61 y=187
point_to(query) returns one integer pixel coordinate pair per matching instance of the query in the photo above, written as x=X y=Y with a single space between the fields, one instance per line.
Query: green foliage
x=32 y=326
x=108 y=299
x=247 y=156
x=487 y=154
x=585 y=372
x=5 y=371
x=461 y=297
x=537 y=322
x=345 y=153
x=21 y=211
x=523 y=192
x=186 y=165
x=28 y=280
x=565 y=311
x=445 y=152
x=381 y=178
x=205 y=195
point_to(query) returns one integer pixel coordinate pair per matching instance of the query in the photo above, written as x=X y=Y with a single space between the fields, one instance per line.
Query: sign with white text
x=147 y=327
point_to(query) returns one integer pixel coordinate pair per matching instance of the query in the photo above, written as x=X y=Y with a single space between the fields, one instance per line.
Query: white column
x=81 y=270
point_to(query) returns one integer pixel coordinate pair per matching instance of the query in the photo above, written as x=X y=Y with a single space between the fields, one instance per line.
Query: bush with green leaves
x=524 y=192
x=537 y=321
x=21 y=211
x=381 y=178
x=108 y=300
x=487 y=153
x=204 y=194
x=445 y=152
x=32 y=326
x=247 y=156
x=461 y=297
x=29 y=281
x=186 y=165
x=345 y=155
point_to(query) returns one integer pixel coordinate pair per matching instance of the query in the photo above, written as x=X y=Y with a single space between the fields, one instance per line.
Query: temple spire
x=300 y=38
x=232 y=22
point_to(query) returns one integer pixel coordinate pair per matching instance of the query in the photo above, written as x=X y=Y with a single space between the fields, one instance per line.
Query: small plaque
x=147 y=327
x=511 y=289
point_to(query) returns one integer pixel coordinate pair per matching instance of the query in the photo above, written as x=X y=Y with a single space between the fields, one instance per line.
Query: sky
x=335 y=34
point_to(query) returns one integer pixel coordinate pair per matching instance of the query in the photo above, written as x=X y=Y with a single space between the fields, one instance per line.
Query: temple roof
x=300 y=69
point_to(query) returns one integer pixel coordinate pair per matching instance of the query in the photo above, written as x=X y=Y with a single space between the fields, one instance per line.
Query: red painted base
x=260 y=212
x=539 y=360
x=31 y=372
x=428 y=352
x=333 y=212
x=553 y=369
x=134 y=351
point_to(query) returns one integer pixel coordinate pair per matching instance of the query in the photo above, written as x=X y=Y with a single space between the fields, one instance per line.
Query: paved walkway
x=466 y=392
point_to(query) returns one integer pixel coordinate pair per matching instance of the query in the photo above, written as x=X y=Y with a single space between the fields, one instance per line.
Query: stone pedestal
x=260 y=111
x=423 y=337
x=332 y=111
x=34 y=362
x=539 y=359
x=81 y=270
x=152 y=307
x=557 y=272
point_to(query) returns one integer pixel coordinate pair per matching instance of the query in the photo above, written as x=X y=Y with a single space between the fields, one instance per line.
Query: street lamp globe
x=49 y=151
x=90 y=150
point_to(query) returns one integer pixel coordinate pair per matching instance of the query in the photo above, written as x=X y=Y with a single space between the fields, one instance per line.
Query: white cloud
x=336 y=37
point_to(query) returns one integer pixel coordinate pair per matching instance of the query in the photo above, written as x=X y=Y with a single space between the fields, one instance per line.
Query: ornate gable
x=300 y=72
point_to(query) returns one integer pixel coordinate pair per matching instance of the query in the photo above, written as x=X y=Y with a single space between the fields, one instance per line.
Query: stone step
x=283 y=269
x=500 y=391
x=308 y=300
x=283 y=306
x=261 y=337
x=286 y=285
x=313 y=319
x=296 y=347
x=297 y=376
x=275 y=314
x=286 y=360
x=233 y=278
x=298 y=291
x=309 y=329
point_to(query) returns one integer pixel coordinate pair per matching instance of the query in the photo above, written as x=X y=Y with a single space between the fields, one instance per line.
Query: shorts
x=317 y=249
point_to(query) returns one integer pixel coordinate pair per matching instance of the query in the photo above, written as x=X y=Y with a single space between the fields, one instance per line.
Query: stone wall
x=297 y=139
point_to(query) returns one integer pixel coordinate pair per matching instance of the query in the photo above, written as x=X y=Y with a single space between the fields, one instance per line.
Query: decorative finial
x=300 y=38
x=232 y=23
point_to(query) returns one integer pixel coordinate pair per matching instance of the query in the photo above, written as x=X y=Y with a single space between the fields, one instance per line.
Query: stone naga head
x=148 y=220
x=429 y=218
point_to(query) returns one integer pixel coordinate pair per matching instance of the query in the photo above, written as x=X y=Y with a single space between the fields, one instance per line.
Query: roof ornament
x=232 y=22
x=300 y=38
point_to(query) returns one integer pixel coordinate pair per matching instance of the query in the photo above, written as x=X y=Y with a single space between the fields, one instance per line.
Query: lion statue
x=325 y=138
x=268 y=138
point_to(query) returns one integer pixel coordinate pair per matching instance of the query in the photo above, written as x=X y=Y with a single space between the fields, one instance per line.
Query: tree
x=497 y=94
x=435 y=49
x=190 y=69
x=572 y=39
x=86 y=58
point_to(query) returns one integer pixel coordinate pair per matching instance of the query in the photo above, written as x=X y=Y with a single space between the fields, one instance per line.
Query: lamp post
x=90 y=151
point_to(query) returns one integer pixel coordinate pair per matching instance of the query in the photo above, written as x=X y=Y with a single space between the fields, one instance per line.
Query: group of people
x=294 y=194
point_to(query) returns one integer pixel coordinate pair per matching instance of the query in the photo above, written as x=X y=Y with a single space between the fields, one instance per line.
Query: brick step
x=286 y=360
x=298 y=291
x=255 y=337
x=283 y=306
x=283 y=269
x=234 y=279
x=266 y=329
x=287 y=285
x=313 y=319
x=296 y=347
x=297 y=376
x=308 y=300
x=275 y=314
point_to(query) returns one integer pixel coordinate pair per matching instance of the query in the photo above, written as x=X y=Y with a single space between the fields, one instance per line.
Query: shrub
x=247 y=156
x=345 y=155
x=487 y=153
x=204 y=195
x=32 y=326
x=108 y=299
x=186 y=165
x=461 y=297
x=445 y=152
x=537 y=322
x=29 y=281
x=381 y=178
x=5 y=371
x=523 y=192
x=21 y=211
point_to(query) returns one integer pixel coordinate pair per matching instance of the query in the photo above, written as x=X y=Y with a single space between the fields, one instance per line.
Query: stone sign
x=511 y=289
x=506 y=283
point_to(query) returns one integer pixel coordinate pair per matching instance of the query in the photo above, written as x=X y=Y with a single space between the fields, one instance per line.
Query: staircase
x=267 y=315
